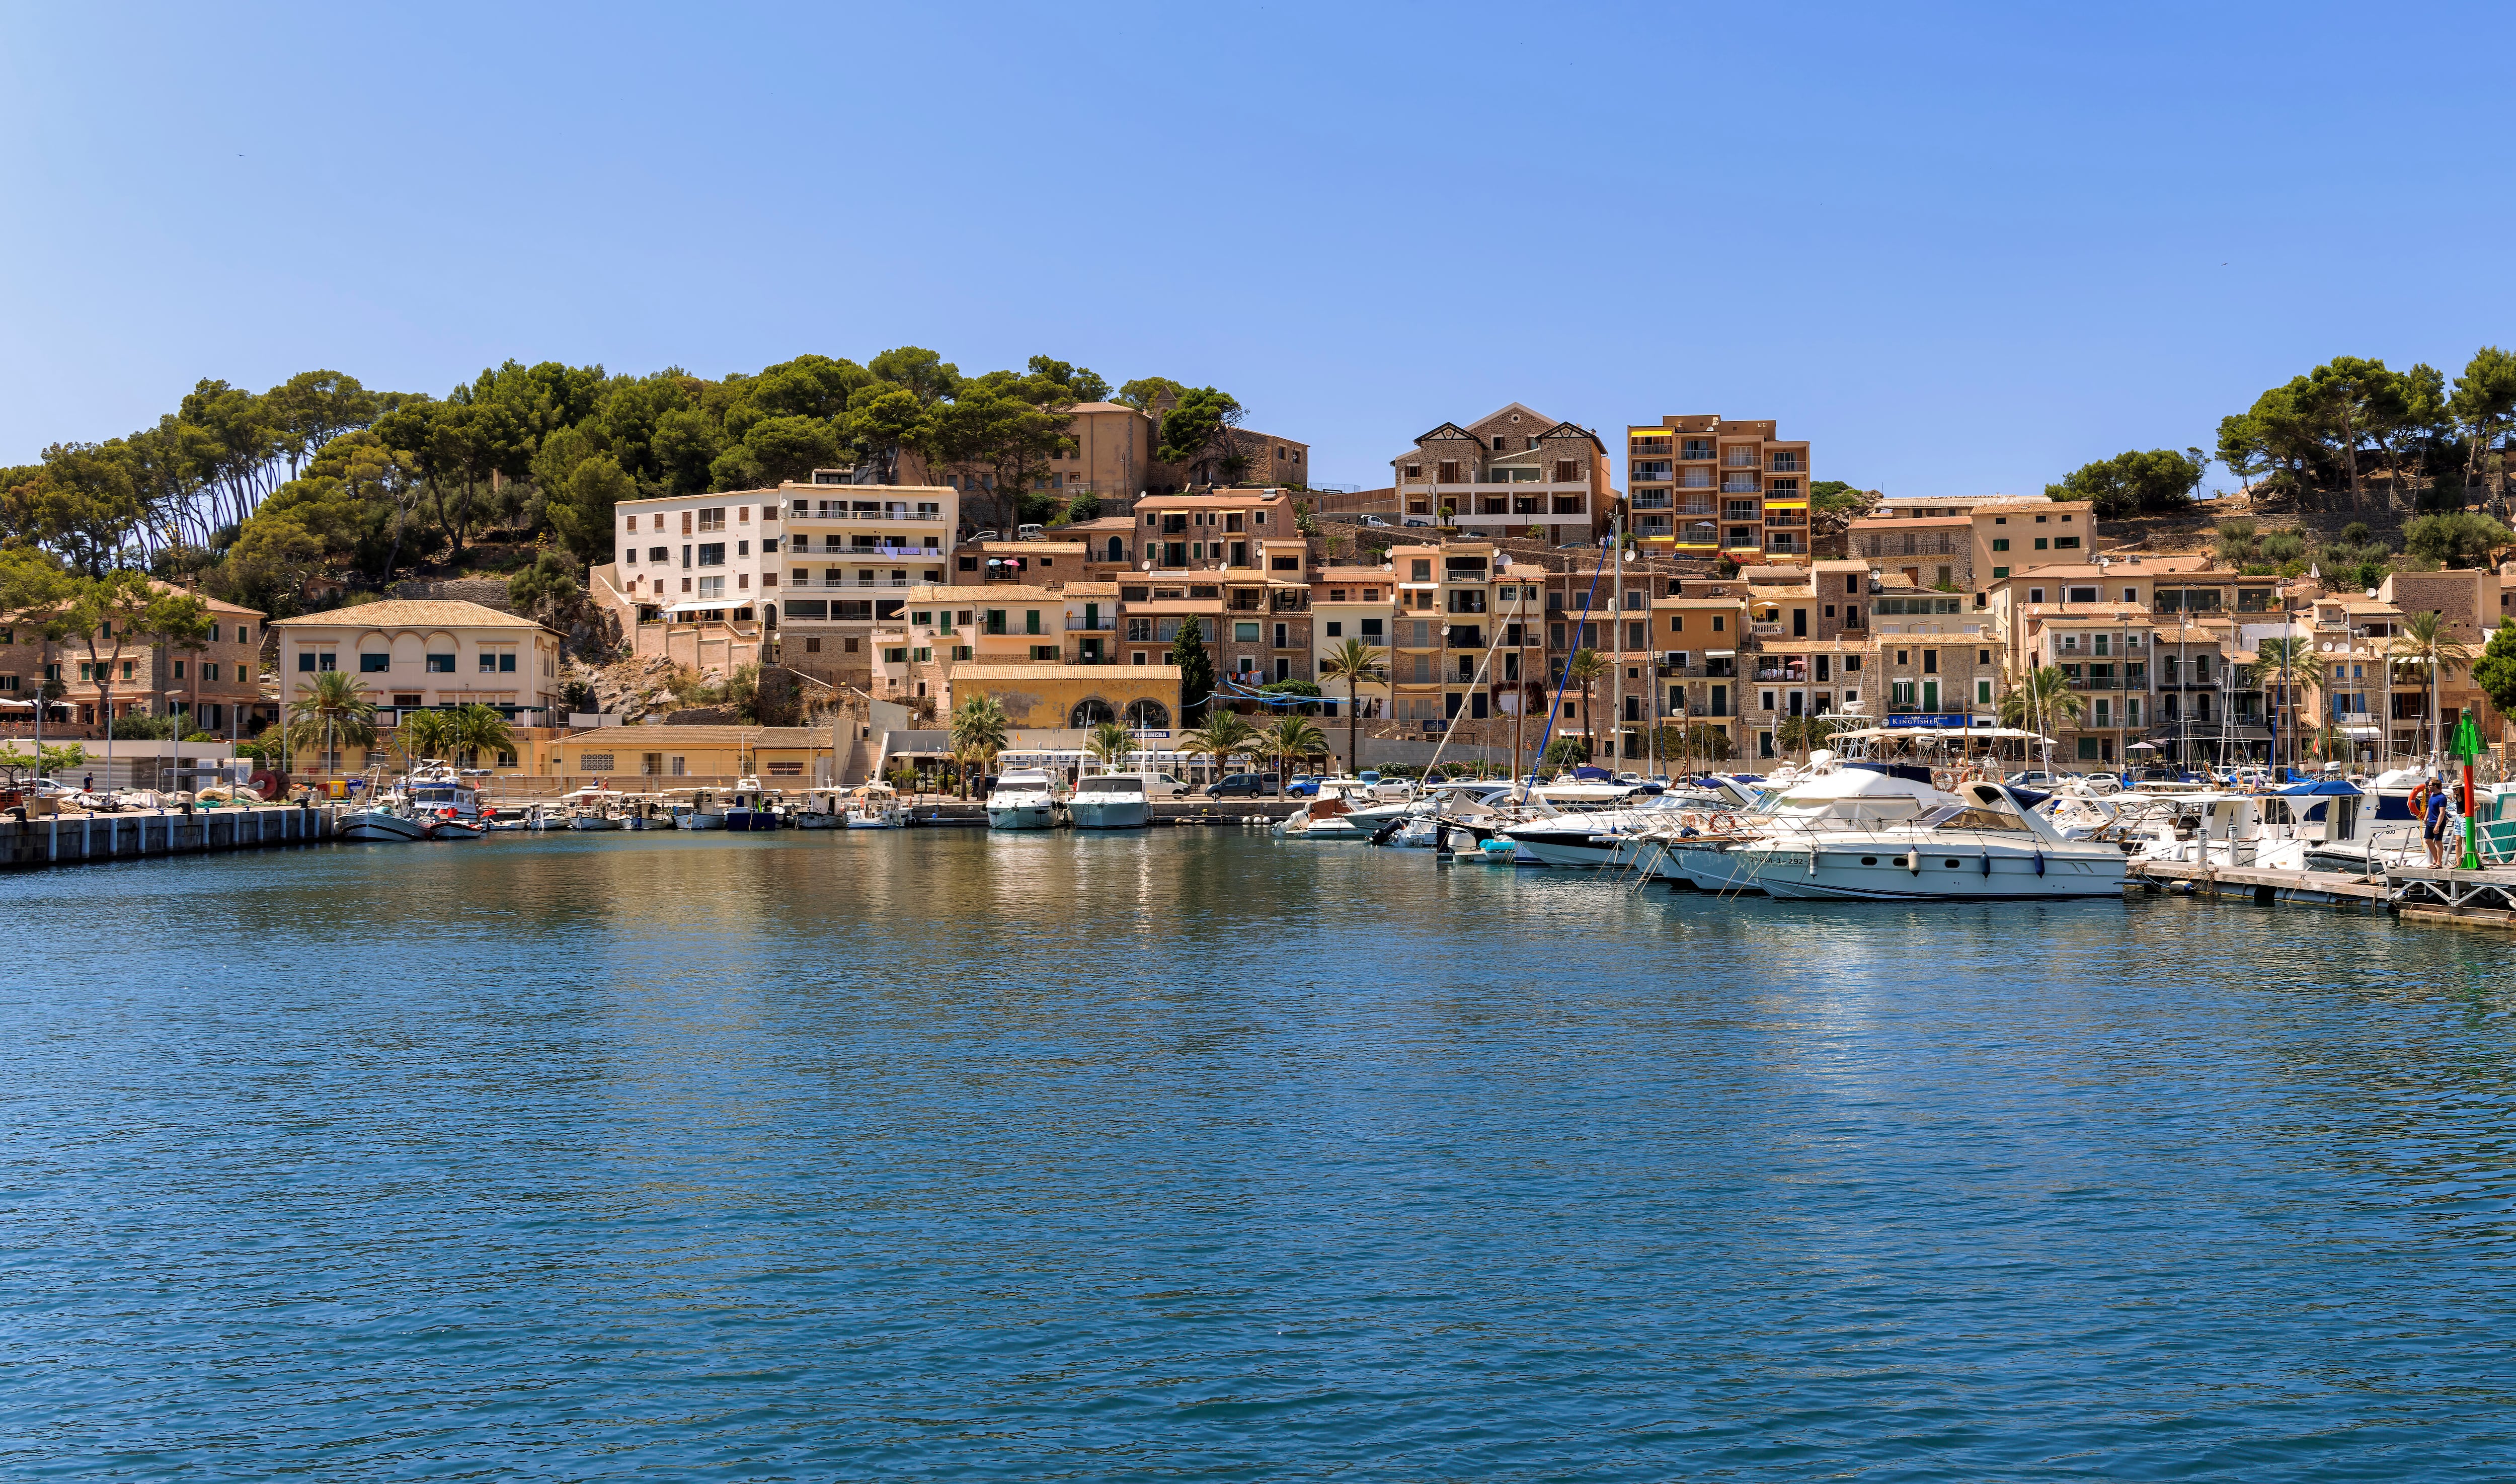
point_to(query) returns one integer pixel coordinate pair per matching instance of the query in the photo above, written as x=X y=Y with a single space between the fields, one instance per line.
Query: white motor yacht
x=1027 y=798
x=694 y=808
x=1991 y=845
x=1702 y=851
x=1586 y=841
x=1111 y=801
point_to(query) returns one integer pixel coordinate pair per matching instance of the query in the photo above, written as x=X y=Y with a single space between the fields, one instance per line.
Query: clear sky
x=1960 y=248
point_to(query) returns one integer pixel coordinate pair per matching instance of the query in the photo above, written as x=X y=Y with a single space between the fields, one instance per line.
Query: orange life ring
x=1724 y=822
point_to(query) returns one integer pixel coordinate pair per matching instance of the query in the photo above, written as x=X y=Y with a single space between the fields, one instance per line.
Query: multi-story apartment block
x=1042 y=564
x=1705 y=485
x=1508 y=473
x=1964 y=545
x=1211 y=532
x=1352 y=603
x=216 y=680
x=991 y=623
x=816 y=564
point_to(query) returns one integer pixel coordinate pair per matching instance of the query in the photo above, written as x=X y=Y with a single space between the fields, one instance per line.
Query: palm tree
x=978 y=730
x=331 y=709
x=2286 y=663
x=2035 y=701
x=1353 y=663
x=2425 y=639
x=478 y=729
x=1587 y=668
x=1109 y=745
x=1290 y=737
x=426 y=735
x=1225 y=736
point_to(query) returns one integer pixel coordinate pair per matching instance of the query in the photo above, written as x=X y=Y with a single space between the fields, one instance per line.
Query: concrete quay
x=72 y=839
x=2444 y=897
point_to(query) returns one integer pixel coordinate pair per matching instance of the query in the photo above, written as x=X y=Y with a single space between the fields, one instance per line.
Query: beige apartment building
x=422 y=655
x=1508 y=473
x=1352 y=603
x=1967 y=545
x=216 y=680
x=1704 y=484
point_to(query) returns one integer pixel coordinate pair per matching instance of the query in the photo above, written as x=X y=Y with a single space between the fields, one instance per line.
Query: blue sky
x=1960 y=248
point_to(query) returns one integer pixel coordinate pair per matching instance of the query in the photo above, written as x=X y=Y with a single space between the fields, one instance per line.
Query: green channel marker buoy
x=2467 y=747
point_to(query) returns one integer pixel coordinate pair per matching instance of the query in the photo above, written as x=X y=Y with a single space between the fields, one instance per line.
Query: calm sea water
x=1198 y=1155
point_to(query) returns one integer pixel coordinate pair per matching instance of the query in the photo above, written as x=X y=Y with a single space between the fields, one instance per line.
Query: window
x=2000 y=543
x=711 y=588
x=2063 y=543
x=712 y=520
x=2081 y=595
x=712 y=554
x=2035 y=594
x=594 y=762
x=1244 y=633
x=374 y=664
x=441 y=664
x=2040 y=543
x=2000 y=573
x=659 y=554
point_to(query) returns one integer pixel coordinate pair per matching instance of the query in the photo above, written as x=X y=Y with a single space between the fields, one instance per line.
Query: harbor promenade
x=70 y=839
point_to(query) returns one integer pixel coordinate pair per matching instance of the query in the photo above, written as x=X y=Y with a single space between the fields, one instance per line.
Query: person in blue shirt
x=2434 y=829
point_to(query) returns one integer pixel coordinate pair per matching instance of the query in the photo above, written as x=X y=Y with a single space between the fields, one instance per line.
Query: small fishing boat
x=443 y=799
x=818 y=809
x=750 y=808
x=875 y=806
x=694 y=809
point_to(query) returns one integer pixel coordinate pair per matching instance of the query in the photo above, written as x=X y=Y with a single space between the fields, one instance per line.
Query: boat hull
x=699 y=822
x=810 y=821
x=749 y=821
x=1110 y=814
x=593 y=822
x=455 y=829
x=1881 y=875
x=380 y=827
x=1022 y=817
x=1567 y=851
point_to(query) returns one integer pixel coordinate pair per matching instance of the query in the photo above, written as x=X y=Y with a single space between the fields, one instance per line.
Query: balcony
x=1650 y=499
x=1739 y=458
x=1733 y=485
x=835 y=510
x=1778 y=516
x=1289 y=600
x=1785 y=463
x=1106 y=623
x=1769 y=630
x=865 y=584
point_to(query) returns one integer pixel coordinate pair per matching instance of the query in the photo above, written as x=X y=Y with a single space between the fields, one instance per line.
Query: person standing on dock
x=2433 y=831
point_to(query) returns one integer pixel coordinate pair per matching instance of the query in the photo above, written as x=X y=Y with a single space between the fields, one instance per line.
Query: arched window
x=1147 y=716
x=1091 y=711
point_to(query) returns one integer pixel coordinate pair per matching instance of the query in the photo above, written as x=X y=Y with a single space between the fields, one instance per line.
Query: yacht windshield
x=1974 y=817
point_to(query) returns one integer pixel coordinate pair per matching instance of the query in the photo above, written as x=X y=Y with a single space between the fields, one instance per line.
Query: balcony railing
x=1736 y=486
x=1739 y=458
x=1650 y=499
x=1106 y=623
x=1785 y=463
x=1769 y=631
x=858 y=584
x=798 y=512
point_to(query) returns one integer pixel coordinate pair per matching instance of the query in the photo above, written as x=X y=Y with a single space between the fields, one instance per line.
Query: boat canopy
x=2335 y=786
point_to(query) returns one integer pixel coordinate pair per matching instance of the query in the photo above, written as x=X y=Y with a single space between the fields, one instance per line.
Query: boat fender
x=2039 y=862
x=1812 y=861
x=1986 y=863
x=1913 y=860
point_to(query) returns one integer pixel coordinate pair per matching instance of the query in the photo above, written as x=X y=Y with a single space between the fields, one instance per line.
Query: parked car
x=1306 y=786
x=987 y=535
x=1029 y=532
x=1415 y=525
x=1166 y=787
x=1241 y=786
x=1373 y=520
x=2031 y=781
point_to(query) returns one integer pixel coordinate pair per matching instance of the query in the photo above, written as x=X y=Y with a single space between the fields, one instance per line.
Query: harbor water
x=1197 y=1154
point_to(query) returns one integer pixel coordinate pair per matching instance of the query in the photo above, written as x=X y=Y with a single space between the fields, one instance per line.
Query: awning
x=712 y=606
x=1719 y=653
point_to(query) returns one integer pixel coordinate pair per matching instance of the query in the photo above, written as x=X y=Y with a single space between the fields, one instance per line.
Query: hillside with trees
x=275 y=498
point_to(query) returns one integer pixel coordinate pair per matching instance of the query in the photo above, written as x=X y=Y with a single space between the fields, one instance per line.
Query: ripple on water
x=1205 y=1155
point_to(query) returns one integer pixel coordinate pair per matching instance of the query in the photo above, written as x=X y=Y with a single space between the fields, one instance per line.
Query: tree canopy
x=257 y=494
x=2158 y=482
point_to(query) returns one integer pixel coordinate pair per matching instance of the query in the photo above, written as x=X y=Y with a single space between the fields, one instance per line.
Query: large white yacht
x=1026 y=798
x=1703 y=849
x=1988 y=845
x=1111 y=801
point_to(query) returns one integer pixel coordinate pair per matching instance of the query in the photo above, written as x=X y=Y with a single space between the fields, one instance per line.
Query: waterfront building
x=1705 y=485
x=1069 y=700
x=1512 y=472
x=643 y=759
x=1210 y=531
x=707 y=579
x=424 y=653
x=215 y=680
x=1350 y=602
x=942 y=627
